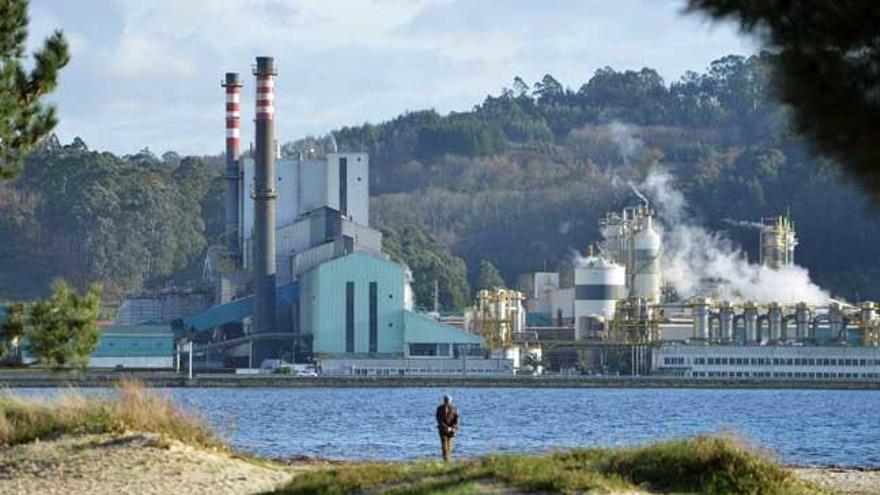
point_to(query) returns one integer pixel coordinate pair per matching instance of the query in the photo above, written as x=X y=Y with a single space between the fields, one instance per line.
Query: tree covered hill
x=519 y=182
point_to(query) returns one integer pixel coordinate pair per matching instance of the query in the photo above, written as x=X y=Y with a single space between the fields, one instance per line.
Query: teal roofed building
x=353 y=307
x=139 y=346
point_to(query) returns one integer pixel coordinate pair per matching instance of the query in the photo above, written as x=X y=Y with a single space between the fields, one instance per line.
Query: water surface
x=800 y=426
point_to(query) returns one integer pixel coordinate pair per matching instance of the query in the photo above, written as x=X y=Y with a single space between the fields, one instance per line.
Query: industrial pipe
x=264 y=198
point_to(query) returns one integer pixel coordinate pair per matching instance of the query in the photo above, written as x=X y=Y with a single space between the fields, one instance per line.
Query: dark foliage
x=827 y=67
x=24 y=119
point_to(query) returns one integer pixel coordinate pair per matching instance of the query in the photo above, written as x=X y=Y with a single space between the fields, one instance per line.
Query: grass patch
x=705 y=464
x=130 y=408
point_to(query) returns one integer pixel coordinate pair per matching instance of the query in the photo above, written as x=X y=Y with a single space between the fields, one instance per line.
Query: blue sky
x=147 y=72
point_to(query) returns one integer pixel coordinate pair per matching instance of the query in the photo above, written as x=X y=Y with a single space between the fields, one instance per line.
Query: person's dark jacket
x=447 y=420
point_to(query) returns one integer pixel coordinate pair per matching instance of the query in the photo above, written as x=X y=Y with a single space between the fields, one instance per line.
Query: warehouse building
x=138 y=347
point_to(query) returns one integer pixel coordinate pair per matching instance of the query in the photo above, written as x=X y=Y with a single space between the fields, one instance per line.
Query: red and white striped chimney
x=232 y=83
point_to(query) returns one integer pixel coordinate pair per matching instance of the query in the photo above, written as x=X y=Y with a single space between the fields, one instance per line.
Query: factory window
x=374 y=318
x=349 y=317
x=343 y=185
x=423 y=350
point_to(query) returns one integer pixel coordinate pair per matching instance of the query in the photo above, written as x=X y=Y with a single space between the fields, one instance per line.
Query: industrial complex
x=301 y=278
x=621 y=317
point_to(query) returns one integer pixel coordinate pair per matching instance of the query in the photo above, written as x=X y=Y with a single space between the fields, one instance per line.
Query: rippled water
x=800 y=426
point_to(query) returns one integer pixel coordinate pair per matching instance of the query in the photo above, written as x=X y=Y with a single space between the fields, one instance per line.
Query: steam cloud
x=697 y=262
x=743 y=223
x=627 y=143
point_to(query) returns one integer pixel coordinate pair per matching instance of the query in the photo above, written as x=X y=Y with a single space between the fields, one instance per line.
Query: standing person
x=447 y=425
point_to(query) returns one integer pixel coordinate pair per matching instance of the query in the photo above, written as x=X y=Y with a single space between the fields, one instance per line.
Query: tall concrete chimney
x=264 y=198
x=232 y=84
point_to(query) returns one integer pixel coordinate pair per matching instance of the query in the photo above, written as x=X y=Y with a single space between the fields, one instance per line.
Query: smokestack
x=233 y=84
x=264 y=198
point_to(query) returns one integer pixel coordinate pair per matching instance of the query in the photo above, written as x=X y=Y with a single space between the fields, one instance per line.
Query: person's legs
x=449 y=441
x=444 y=446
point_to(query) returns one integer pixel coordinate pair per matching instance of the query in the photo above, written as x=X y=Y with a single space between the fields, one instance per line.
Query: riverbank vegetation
x=130 y=407
x=709 y=465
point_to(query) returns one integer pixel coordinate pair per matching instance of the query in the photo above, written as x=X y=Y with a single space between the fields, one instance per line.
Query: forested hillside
x=519 y=181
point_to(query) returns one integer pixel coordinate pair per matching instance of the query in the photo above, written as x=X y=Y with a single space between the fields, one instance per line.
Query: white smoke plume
x=638 y=193
x=627 y=143
x=697 y=262
x=744 y=224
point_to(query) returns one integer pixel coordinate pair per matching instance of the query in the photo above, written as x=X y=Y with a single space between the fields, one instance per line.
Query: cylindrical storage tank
x=837 y=323
x=750 y=315
x=646 y=262
x=773 y=252
x=774 y=315
x=700 y=308
x=599 y=284
x=802 y=321
x=725 y=314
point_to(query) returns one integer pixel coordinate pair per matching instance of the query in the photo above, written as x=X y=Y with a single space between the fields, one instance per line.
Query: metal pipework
x=802 y=321
x=232 y=83
x=725 y=315
x=774 y=316
x=750 y=316
x=701 y=318
x=868 y=311
x=264 y=197
x=837 y=323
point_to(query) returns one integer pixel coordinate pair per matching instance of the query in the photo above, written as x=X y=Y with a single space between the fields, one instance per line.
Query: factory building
x=620 y=308
x=134 y=347
x=302 y=275
x=776 y=362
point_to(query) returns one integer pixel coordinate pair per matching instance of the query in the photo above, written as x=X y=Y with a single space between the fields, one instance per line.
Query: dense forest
x=519 y=182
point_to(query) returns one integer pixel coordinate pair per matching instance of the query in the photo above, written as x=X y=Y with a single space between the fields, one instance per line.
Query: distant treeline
x=517 y=183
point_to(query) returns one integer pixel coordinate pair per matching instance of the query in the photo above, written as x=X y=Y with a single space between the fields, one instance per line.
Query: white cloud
x=342 y=62
x=146 y=56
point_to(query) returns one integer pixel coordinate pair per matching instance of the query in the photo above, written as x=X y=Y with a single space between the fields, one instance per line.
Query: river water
x=814 y=427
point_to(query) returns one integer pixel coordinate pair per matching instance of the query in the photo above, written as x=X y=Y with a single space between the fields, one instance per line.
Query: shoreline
x=92 y=379
x=80 y=464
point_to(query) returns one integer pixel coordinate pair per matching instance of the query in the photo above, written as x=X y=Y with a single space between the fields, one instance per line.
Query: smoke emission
x=743 y=223
x=698 y=262
x=627 y=143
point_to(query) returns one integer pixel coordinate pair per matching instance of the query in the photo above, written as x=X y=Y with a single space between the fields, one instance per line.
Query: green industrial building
x=139 y=346
x=354 y=306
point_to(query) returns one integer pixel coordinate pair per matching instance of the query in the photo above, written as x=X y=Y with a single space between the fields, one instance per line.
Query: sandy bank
x=148 y=464
x=843 y=481
x=133 y=463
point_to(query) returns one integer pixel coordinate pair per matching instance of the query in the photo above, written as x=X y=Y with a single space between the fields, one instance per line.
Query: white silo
x=646 y=262
x=599 y=284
